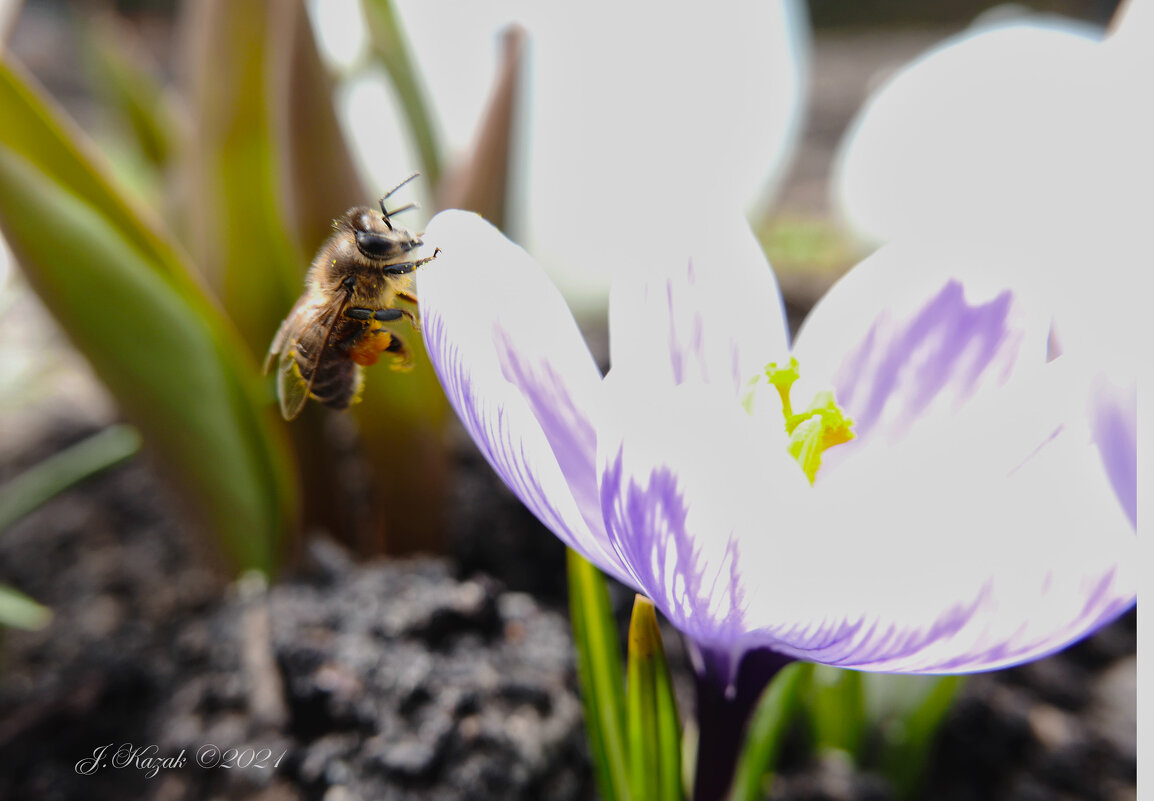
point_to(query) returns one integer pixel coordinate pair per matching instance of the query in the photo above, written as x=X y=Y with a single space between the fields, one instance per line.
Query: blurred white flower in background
x=1034 y=134
x=633 y=116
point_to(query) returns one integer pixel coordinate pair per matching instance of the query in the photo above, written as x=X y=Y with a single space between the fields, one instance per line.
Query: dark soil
x=429 y=678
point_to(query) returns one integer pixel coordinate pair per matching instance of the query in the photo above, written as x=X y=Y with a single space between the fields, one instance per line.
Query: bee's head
x=379 y=240
x=384 y=246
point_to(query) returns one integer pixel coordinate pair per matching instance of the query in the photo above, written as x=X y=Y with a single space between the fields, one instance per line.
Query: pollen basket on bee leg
x=370 y=345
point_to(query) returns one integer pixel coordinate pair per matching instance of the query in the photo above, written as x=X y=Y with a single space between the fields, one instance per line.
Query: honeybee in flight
x=338 y=325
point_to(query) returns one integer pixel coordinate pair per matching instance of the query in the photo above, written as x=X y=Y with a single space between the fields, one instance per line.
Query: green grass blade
x=910 y=724
x=19 y=611
x=60 y=471
x=652 y=724
x=599 y=668
x=837 y=709
x=390 y=46
x=768 y=727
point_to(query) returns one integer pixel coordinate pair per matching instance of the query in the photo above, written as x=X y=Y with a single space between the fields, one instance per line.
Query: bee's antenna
x=406 y=207
x=385 y=197
x=402 y=183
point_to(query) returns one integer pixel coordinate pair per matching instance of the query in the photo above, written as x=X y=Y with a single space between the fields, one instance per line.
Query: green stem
x=390 y=46
x=599 y=670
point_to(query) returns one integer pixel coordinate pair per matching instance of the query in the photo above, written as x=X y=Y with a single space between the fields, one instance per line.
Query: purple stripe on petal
x=568 y=429
x=877 y=646
x=700 y=594
x=686 y=332
x=1114 y=423
x=707 y=310
x=946 y=350
x=506 y=444
x=861 y=644
x=518 y=374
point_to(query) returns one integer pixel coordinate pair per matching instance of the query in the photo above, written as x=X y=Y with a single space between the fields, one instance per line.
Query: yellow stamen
x=812 y=432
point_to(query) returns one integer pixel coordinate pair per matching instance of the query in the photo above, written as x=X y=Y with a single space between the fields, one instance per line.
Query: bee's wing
x=291 y=387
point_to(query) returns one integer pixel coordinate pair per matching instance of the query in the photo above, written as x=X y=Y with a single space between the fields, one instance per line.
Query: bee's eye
x=376 y=246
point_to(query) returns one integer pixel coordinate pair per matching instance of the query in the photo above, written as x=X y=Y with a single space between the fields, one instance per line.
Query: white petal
x=705 y=308
x=515 y=368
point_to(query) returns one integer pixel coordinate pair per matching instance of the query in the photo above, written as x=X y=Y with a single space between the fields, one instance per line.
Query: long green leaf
x=652 y=722
x=58 y=149
x=237 y=227
x=599 y=668
x=60 y=471
x=124 y=295
x=768 y=727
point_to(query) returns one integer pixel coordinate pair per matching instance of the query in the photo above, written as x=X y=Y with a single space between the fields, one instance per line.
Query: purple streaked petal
x=708 y=311
x=515 y=368
x=676 y=493
x=993 y=540
x=912 y=333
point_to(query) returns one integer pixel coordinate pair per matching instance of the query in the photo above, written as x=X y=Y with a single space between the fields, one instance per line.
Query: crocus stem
x=724 y=705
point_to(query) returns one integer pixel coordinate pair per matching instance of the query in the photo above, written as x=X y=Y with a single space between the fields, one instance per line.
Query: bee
x=338 y=324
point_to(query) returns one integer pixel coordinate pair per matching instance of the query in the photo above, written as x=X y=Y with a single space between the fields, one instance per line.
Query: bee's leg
x=389 y=315
x=377 y=340
x=409 y=297
x=402 y=356
x=357 y=313
x=405 y=267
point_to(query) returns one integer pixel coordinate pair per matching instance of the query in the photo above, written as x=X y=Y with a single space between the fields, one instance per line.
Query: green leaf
x=60 y=471
x=19 y=611
x=60 y=151
x=131 y=87
x=767 y=730
x=910 y=711
x=237 y=206
x=652 y=723
x=600 y=671
x=126 y=299
x=837 y=710
x=390 y=46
